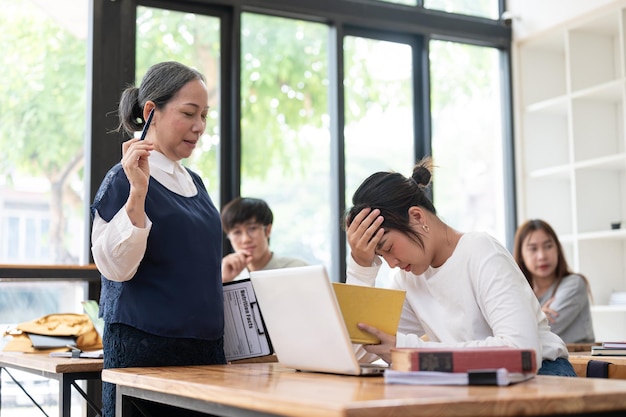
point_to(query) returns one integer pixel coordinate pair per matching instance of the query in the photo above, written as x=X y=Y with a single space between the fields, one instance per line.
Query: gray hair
x=160 y=83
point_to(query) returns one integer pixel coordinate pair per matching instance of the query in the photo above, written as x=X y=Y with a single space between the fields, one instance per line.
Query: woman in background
x=564 y=295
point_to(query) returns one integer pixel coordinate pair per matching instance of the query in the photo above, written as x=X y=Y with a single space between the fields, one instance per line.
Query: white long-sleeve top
x=478 y=297
x=118 y=246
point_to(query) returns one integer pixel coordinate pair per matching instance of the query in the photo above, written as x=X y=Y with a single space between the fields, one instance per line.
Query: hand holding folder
x=377 y=307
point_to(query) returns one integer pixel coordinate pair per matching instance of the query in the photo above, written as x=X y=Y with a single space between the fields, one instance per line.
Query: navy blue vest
x=177 y=290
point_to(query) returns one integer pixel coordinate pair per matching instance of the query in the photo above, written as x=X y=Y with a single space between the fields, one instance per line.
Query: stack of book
x=609 y=349
x=461 y=366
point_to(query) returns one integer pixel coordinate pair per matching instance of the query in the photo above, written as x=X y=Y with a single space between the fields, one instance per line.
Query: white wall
x=532 y=16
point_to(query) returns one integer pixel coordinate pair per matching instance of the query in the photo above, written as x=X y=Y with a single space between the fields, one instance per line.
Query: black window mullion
x=337 y=142
x=421 y=98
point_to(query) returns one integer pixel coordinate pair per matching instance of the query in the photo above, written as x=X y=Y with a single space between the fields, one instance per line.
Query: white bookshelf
x=570 y=87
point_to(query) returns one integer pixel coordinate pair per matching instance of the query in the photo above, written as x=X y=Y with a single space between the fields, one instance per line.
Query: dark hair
x=160 y=83
x=393 y=194
x=562 y=268
x=241 y=210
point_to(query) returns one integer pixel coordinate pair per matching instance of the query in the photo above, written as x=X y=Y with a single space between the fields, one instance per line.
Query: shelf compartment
x=598 y=124
x=550 y=199
x=608 y=325
x=600 y=197
x=546 y=140
x=595 y=55
x=542 y=69
x=603 y=263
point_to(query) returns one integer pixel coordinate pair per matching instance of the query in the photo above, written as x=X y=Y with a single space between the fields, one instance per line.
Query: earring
x=426 y=228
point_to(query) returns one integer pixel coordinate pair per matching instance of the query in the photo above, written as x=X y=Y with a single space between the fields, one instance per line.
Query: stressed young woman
x=462 y=289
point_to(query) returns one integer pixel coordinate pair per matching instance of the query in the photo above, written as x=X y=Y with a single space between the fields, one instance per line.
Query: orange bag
x=62 y=324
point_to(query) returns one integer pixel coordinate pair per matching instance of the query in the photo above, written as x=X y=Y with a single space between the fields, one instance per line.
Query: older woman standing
x=156 y=236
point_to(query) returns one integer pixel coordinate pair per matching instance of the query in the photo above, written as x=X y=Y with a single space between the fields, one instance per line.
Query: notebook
x=303 y=318
x=378 y=307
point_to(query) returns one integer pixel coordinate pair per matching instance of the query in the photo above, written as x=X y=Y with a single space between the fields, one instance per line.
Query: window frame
x=111 y=53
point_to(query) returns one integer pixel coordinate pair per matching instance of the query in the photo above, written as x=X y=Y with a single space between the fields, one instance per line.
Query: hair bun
x=422 y=172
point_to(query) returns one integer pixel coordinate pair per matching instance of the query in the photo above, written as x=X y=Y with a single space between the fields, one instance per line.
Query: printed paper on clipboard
x=244 y=331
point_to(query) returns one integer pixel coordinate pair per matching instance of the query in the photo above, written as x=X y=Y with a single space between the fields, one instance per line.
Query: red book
x=463 y=359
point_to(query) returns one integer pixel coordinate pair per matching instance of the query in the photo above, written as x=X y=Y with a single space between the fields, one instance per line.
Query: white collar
x=162 y=162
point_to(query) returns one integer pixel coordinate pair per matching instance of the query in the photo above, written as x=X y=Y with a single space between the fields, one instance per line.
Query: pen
x=147 y=125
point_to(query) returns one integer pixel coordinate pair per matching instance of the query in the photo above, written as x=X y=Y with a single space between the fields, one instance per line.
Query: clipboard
x=245 y=335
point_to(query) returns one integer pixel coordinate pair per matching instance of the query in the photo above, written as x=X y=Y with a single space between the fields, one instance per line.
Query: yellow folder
x=377 y=307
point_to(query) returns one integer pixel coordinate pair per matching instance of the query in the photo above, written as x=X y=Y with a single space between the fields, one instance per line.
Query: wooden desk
x=269 y=389
x=579 y=361
x=65 y=370
x=581 y=347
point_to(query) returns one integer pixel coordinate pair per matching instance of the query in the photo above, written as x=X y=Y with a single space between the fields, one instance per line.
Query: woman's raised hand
x=364 y=234
x=135 y=154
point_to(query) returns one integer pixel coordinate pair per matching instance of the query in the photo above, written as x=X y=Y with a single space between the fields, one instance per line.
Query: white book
x=607 y=351
x=75 y=353
x=499 y=377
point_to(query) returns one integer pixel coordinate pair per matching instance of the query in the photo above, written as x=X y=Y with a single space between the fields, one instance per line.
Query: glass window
x=378 y=109
x=192 y=39
x=482 y=8
x=25 y=301
x=22 y=301
x=42 y=192
x=378 y=113
x=42 y=131
x=10 y=237
x=285 y=140
x=467 y=137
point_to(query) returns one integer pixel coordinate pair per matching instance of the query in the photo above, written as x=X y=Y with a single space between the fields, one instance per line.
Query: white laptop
x=305 y=323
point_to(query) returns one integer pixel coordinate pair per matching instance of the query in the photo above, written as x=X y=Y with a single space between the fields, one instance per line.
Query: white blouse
x=118 y=246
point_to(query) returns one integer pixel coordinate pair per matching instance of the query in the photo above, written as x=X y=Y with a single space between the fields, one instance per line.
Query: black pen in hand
x=147 y=125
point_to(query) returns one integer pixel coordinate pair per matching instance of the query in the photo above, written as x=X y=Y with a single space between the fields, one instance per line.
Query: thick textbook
x=463 y=359
x=378 y=307
x=245 y=335
x=500 y=377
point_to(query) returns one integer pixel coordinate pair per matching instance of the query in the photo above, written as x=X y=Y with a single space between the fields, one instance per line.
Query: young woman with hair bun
x=462 y=289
